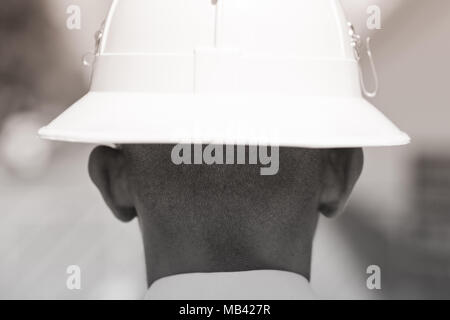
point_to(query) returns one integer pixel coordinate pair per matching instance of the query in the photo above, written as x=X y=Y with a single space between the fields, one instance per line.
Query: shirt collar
x=245 y=285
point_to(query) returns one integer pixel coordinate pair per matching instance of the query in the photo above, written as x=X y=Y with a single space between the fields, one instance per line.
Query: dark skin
x=219 y=218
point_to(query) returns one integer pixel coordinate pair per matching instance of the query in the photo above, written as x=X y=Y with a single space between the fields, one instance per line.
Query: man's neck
x=181 y=255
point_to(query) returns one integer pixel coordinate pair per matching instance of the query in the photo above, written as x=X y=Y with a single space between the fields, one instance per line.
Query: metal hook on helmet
x=89 y=58
x=370 y=94
x=356 y=44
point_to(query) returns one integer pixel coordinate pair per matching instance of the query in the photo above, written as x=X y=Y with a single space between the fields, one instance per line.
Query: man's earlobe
x=107 y=171
x=342 y=169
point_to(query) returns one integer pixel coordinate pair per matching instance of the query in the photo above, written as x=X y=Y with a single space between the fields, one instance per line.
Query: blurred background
x=52 y=216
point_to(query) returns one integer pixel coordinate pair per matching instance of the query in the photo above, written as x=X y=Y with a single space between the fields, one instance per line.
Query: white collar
x=245 y=285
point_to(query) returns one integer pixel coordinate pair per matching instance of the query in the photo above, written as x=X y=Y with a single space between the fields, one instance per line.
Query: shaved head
x=217 y=218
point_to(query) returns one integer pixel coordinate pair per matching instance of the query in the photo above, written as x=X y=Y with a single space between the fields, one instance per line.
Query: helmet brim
x=276 y=120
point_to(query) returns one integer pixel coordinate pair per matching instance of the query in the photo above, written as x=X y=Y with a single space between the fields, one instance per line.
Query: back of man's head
x=224 y=217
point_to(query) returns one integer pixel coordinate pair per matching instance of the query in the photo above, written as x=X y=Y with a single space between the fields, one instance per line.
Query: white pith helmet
x=268 y=72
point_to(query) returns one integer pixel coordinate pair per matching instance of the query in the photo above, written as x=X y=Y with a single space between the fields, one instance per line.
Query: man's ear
x=107 y=171
x=342 y=169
